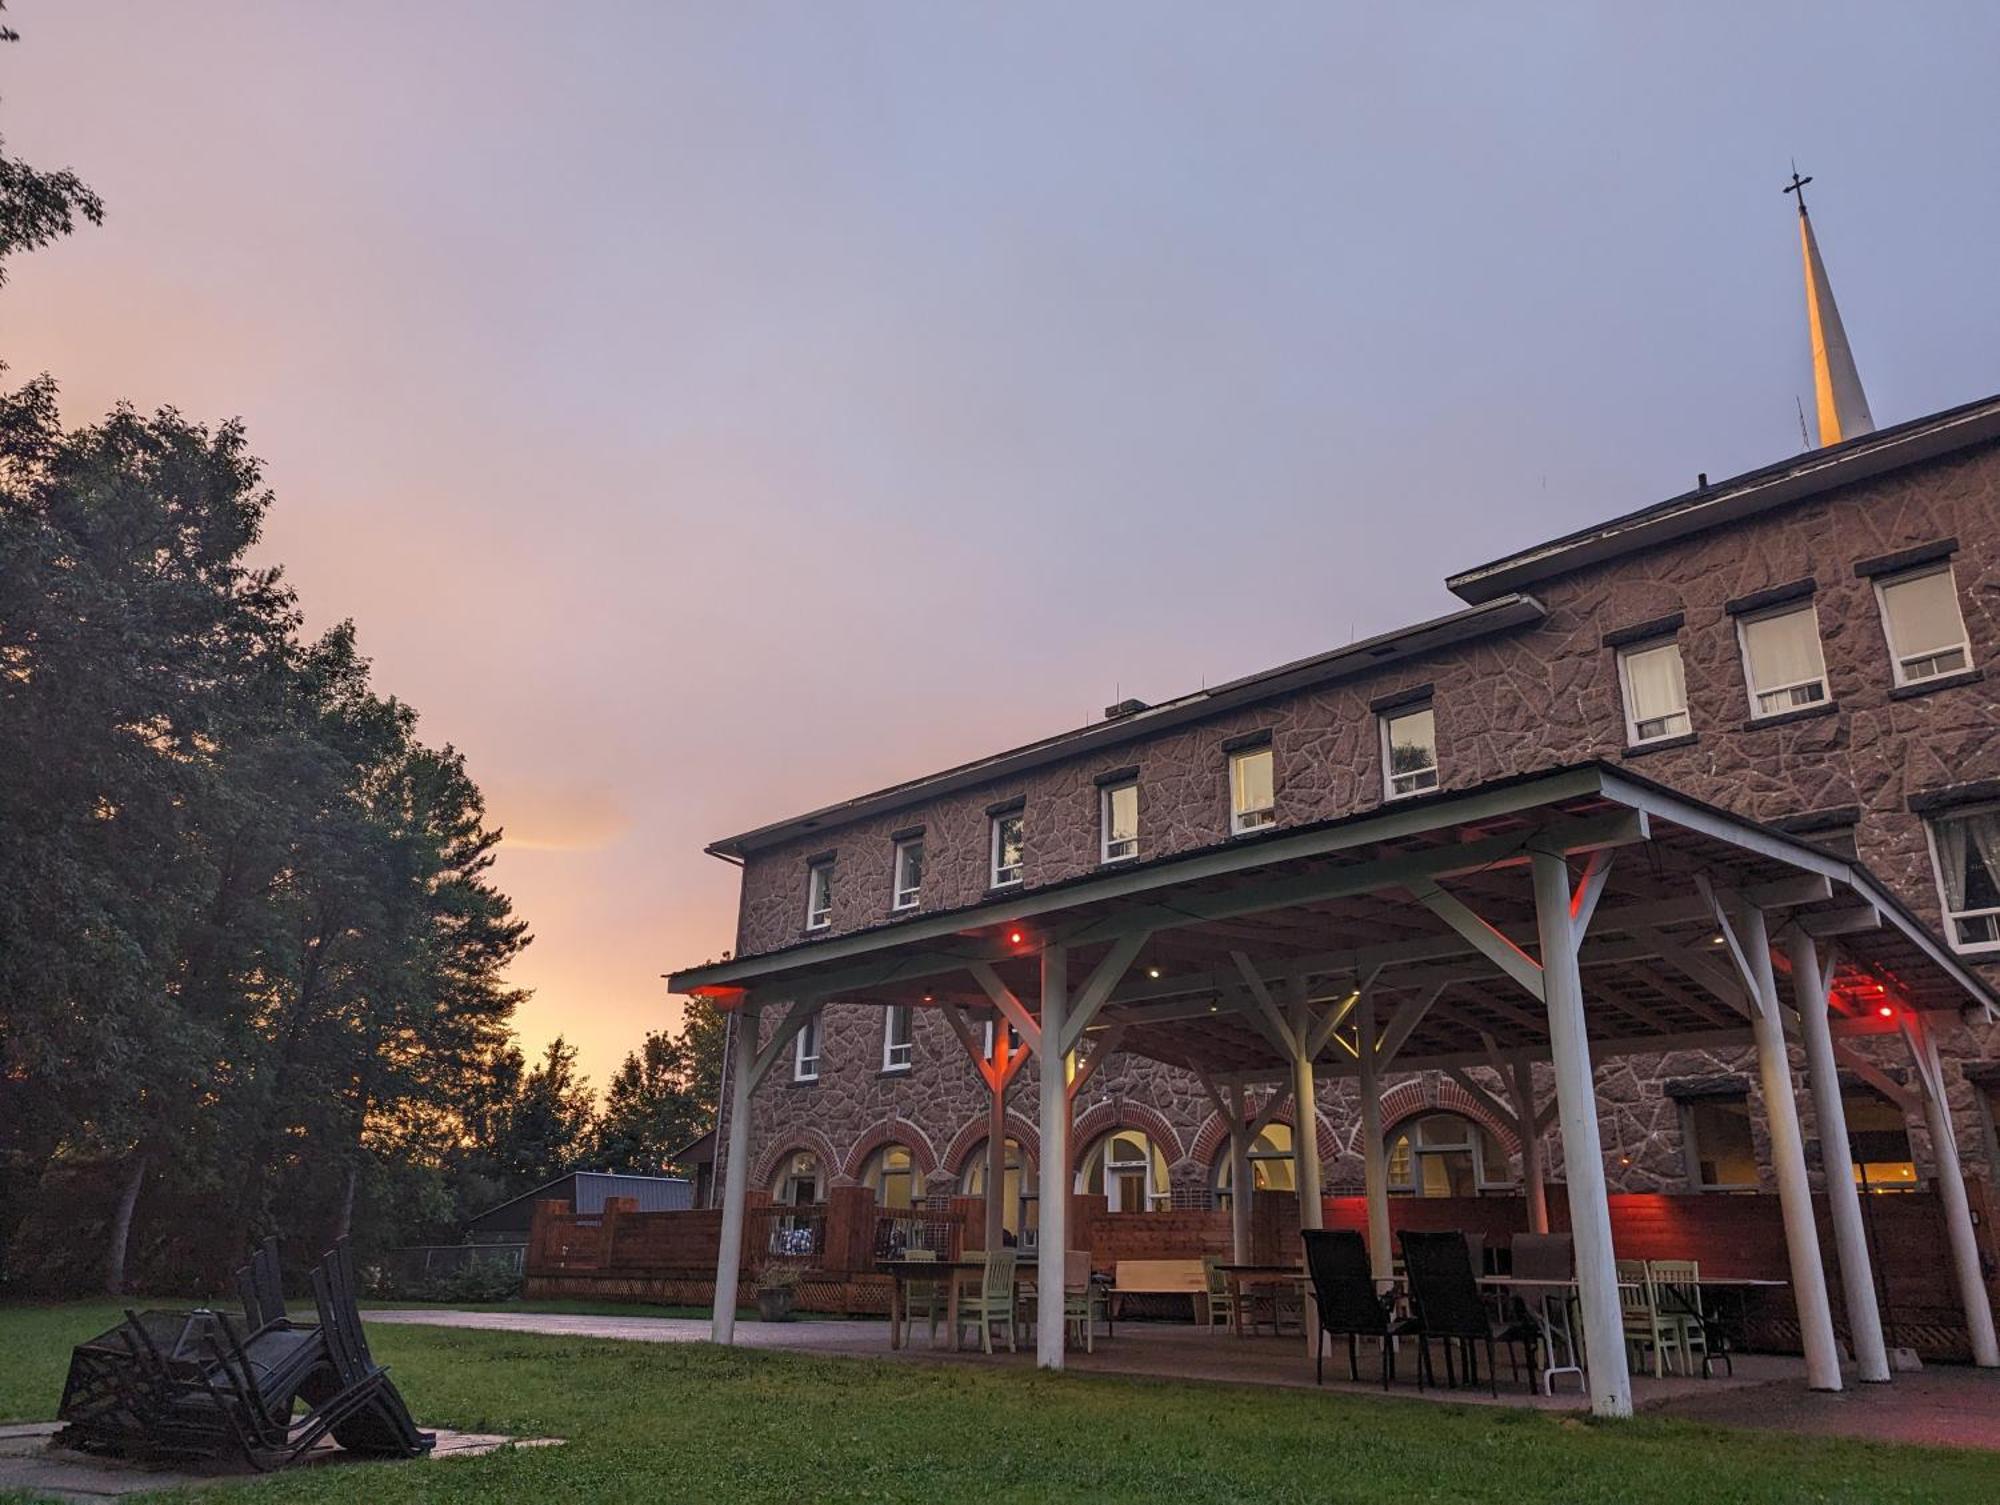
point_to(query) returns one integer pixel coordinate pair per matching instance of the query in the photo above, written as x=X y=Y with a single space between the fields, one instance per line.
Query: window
x=1782 y=662
x=1127 y=1169
x=1656 y=696
x=1444 y=1155
x=896 y=1037
x=909 y=878
x=1271 y=1165
x=892 y=1174
x=1921 y=620
x=805 y=1057
x=1965 y=850
x=1409 y=752
x=1121 y=820
x=1252 y=796
x=1878 y=1139
x=1013 y=1041
x=798 y=1181
x=1008 y=837
x=819 y=895
x=1020 y=1197
x=1715 y=1138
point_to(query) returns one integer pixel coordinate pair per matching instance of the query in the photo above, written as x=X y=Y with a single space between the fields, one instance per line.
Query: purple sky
x=711 y=411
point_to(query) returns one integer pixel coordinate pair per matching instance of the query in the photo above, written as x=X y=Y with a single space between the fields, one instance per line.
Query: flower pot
x=775 y=1304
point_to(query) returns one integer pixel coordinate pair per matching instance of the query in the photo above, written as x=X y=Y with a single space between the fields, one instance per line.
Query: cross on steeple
x=1798 y=186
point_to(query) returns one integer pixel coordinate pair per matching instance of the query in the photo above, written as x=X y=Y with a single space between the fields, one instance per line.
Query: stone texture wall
x=1529 y=699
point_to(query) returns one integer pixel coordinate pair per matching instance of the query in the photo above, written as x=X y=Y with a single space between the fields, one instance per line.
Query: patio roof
x=1426 y=902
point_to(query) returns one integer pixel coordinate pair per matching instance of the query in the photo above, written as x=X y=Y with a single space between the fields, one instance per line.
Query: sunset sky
x=709 y=411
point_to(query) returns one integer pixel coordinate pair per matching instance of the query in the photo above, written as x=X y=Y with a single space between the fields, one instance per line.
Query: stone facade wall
x=1528 y=699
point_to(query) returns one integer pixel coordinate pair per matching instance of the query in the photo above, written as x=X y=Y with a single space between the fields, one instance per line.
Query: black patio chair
x=1447 y=1304
x=1344 y=1290
x=260 y=1289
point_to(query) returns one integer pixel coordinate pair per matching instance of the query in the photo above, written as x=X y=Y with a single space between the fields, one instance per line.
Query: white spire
x=1843 y=406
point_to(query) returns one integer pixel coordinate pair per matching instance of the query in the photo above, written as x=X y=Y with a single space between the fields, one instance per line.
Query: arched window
x=1445 y=1155
x=799 y=1182
x=1020 y=1198
x=1271 y=1165
x=892 y=1174
x=1127 y=1169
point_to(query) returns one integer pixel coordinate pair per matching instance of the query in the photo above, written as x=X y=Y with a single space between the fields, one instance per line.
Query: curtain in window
x=1953 y=841
x=1959 y=840
x=1783 y=650
x=1923 y=614
x=1658 y=681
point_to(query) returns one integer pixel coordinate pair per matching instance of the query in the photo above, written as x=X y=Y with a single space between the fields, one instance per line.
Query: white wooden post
x=1239 y=1178
x=1053 y=1238
x=1850 y=1239
x=1374 y=1163
x=1951 y=1192
x=1607 y=1377
x=736 y=1172
x=1788 y=1157
x=1305 y=1106
x=996 y=1151
x=1521 y=1078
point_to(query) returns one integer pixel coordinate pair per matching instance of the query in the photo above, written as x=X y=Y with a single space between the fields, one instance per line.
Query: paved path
x=1943 y=1406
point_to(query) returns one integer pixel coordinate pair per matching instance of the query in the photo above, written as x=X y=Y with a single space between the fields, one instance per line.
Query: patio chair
x=927 y=1295
x=993 y=1301
x=1677 y=1289
x=1448 y=1305
x=1083 y=1302
x=1343 y=1288
x=1219 y=1304
x=1646 y=1326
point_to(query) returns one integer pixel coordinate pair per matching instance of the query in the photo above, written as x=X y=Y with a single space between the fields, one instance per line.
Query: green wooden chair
x=1219 y=1305
x=993 y=1301
x=1083 y=1303
x=922 y=1298
x=1677 y=1288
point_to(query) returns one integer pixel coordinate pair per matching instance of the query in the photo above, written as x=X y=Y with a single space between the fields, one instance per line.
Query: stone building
x=1804 y=645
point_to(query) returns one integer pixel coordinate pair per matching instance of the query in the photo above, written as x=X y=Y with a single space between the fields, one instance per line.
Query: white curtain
x=1951 y=843
x=1784 y=650
x=1658 y=682
x=1923 y=614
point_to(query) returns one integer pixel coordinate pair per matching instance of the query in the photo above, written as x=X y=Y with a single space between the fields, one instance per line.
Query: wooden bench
x=1158 y=1277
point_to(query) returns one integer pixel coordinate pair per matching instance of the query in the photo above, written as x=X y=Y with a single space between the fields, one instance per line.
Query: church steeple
x=1843 y=406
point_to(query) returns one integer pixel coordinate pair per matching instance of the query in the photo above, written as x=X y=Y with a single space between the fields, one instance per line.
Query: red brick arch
x=1211 y=1142
x=894 y=1130
x=1122 y=1113
x=958 y=1154
x=1429 y=1094
x=789 y=1143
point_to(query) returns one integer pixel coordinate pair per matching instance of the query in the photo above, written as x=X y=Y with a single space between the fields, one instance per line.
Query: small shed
x=698 y=1158
x=585 y=1191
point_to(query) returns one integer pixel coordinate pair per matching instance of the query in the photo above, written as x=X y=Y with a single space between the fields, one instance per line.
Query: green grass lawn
x=691 y=1422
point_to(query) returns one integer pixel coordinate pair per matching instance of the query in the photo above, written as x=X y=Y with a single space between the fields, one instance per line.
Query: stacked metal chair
x=202 y=1384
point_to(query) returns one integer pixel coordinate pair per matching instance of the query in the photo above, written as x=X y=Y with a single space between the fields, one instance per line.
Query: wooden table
x=902 y=1271
x=1254 y=1274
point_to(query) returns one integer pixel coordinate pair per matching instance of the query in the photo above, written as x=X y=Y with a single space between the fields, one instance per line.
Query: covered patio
x=1567 y=917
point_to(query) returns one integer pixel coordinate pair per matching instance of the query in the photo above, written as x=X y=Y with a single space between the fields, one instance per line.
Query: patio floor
x=1162 y=1351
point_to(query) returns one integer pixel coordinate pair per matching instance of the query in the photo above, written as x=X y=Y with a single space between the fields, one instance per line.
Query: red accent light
x=1013 y=937
x=1887 y=1011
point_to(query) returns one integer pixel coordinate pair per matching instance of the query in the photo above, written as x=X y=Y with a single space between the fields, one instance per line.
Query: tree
x=549 y=1126
x=38 y=207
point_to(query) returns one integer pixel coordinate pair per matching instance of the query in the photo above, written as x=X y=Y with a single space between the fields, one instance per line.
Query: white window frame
x=1474 y=1144
x=897 y=1056
x=1631 y=651
x=1808 y=608
x=1243 y=822
x=1013 y=1039
x=995 y=874
x=906 y=896
x=805 y=1065
x=1952 y=916
x=819 y=894
x=1104 y=842
x=1384 y=721
x=1897 y=659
